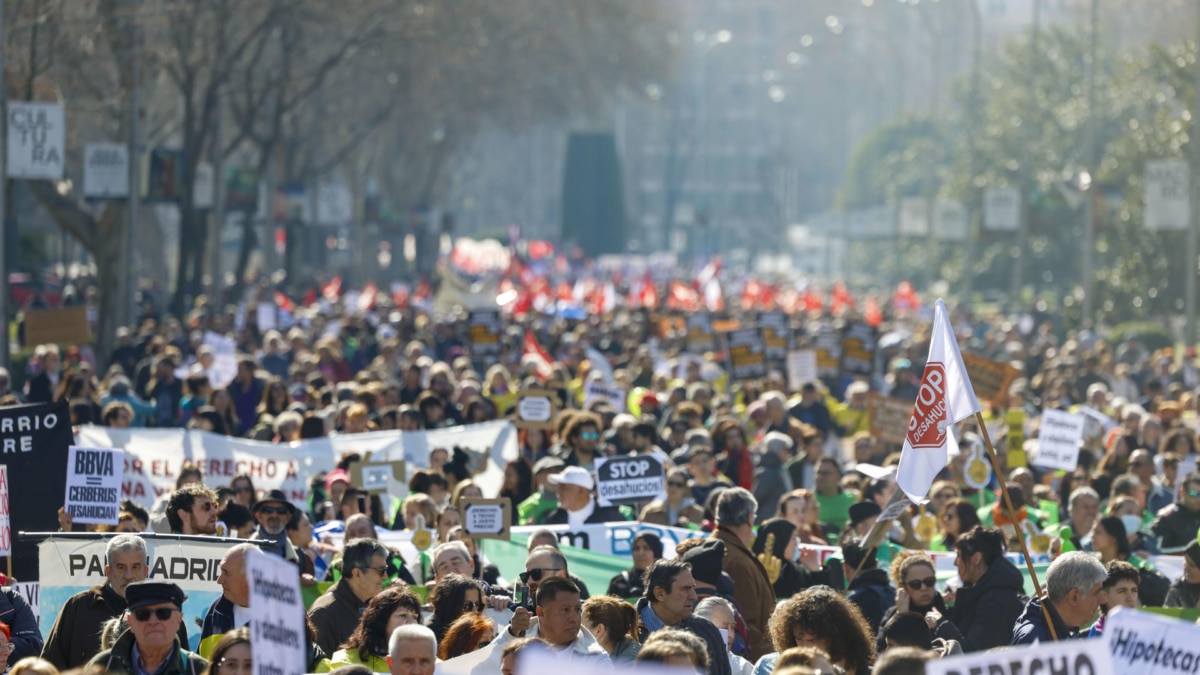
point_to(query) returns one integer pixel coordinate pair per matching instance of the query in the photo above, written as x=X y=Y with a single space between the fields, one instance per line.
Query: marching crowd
x=781 y=483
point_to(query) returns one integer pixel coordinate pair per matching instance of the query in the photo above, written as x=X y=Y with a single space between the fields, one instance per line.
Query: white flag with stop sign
x=944 y=398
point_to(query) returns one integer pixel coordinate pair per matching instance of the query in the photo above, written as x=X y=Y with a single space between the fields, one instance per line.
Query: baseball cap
x=574 y=475
x=335 y=476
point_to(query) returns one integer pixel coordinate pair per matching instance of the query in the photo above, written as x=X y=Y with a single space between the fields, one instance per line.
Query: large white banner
x=153 y=457
x=1141 y=642
x=70 y=565
x=1073 y=657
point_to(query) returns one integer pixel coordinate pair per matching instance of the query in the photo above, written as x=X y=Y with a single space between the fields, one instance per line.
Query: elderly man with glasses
x=273 y=514
x=150 y=645
x=336 y=613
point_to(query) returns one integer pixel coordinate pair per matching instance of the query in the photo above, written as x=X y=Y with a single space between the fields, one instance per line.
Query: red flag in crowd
x=368 y=297
x=905 y=297
x=282 y=301
x=871 y=313
x=812 y=301
x=683 y=297
x=400 y=295
x=540 y=249
x=841 y=299
x=751 y=294
x=649 y=293
x=424 y=291
x=332 y=290
x=538 y=354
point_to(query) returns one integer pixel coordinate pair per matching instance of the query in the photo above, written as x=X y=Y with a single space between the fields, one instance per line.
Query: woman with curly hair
x=820 y=617
x=914 y=574
x=453 y=596
x=468 y=633
x=368 y=644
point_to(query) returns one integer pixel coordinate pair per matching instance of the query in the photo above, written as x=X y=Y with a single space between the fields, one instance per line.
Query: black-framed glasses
x=160 y=613
x=537 y=573
x=915 y=584
x=381 y=571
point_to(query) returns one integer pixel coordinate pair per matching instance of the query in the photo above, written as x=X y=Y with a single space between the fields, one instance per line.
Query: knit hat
x=706 y=560
x=1193 y=552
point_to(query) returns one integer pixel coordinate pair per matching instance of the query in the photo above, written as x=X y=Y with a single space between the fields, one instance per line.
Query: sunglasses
x=1192 y=493
x=589 y=435
x=208 y=506
x=469 y=606
x=274 y=510
x=162 y=613
x=537 y=573
x=915 y=584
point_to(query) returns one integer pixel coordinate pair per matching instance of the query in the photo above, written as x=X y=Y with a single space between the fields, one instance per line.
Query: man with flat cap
x=150 y=646
x=273 y=514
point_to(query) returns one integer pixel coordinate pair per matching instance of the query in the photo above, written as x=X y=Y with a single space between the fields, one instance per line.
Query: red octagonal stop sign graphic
x=926 y=428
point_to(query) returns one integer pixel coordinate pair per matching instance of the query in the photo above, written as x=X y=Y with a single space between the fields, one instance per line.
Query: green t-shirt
x=835 y=509
x=536 y=507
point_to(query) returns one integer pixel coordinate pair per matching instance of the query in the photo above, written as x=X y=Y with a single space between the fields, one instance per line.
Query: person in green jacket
x=155 y=615
x=544 y=500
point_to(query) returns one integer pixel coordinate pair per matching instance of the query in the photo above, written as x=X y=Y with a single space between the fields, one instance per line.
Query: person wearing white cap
x=576 y=506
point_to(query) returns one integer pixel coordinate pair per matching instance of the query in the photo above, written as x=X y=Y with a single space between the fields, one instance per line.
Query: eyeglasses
x=537 y=573
x=274 y=510
x=381 y=571
x=469 y=606
x=589 y=435
x=207 y=506
x=161 y=613
x=1192 y=493
x=915 y=584
x=675 y=483
x=7 y=647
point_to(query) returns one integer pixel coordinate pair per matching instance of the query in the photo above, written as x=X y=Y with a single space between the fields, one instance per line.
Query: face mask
x=724 y=635
x=1132 y=524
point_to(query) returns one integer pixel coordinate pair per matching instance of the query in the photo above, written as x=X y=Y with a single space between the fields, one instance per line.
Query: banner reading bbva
x=71 y=565
x=153 y=457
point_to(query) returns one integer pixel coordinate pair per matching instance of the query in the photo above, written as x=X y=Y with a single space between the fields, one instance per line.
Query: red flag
x=649 y=293
x=812 y=301
x=332 y=290
x=533 y=351
x=767 y=298
x=368 y=297
x=871 y=313
x=310 y=297
x=400 y=295
x=540 y=249
x=905 y=297
x=424 y=291
x=282 y=301
x=841 y=300
x=683 y=297
x=751 y=294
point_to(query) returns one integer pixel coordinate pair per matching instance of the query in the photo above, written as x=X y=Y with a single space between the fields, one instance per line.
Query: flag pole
x=1012 y=513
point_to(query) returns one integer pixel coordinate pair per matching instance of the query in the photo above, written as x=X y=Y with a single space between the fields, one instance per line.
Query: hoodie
x=986 y=610
x=873 y=593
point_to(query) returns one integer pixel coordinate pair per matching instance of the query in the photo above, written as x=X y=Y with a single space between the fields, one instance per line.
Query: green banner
x=595 y=569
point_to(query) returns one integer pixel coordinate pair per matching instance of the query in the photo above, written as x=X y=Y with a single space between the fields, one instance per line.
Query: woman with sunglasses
x=368 y=645
x=958 y=516
x=232 y=654
x=914 y=576
x=453 y=596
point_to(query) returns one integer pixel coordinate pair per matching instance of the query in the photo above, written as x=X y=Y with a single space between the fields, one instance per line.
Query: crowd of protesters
x=762 y=470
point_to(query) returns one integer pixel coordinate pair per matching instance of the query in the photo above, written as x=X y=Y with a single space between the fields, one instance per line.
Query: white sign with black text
x=598 y=391
x=1072 y=657
x=36 y=140
x=1168 y=195
x=1145 y=643
x=629 y=480
x=94 y=485
x=105 y=171
x=1058 y=440
x=277 y=627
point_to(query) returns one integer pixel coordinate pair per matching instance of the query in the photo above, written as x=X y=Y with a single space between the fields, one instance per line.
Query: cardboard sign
x=801 y=368
x=858 y=348
x=829 y=351
x=631 y=479
x=599 y=391
x=63 y=327
x=1058 y=442
x=888 y=417
x=378 y=477
x=1074 y=657
x=700 y=337
x=776 y=334
x=746 y=353
x=1148 y=644
x=277 y=626
x=224 y=367
x=990 y=379
x=94 y=484
x=487 y=518
x=5 y=520
x=536 y=409
x=485 y=331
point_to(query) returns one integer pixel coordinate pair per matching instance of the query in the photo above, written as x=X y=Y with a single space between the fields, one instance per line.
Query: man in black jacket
x=576 y=506
x=669 y=602
x=869 y=587
x=1176 y=524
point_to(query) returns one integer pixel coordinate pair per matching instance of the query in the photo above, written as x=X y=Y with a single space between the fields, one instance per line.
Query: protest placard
x=34 y=440
x=265 y=316
x=277 y=624
x=224 y=367
x=5 y=521
x=484 y=329
x=746 y=354
x=828 y=344
x=776 y=333
x=487 y=518
x=700 y=337
x=94 y=485
x=888 y=417
x=990 y=379
x=1076 y=657
x=1149 y=644
x=536 y=409
x=858 y=348
x=1058 y=440
x=380 y=477
x=598 y=391
x=629 y=480
x=64 y=327
x=801 y=368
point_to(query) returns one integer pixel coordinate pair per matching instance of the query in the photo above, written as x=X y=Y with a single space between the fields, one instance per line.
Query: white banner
x=1168 y=198
x=153 y=457
x=224 y=349
x=1058 y=440
x=1148 y=644
x=1071 y=657
x=70 y=565
x=36 y=140
x=593 y=391
x=94 y=485
x=801 y=368
x=614 y=538
x=1002 y=209
x=276 y=615
x=105 y=171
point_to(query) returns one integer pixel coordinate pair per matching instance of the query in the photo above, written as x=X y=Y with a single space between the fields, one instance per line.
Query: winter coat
x=119 y=659
x=656 y=513
x=945 y=630
x=627 y=584
x=985 y=611
x=335 y=615
x=1031 y=625
x=75 y=637
x=1175 y=526
x=874 y=594
x=217 y=622
x=16 y=614
x=1183 y=594
x=752 y=590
